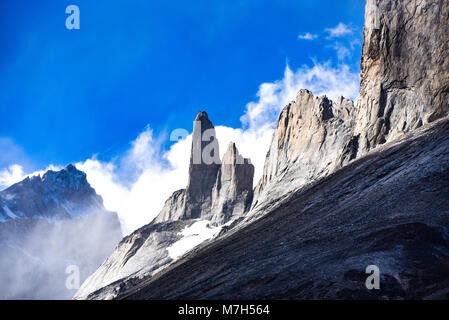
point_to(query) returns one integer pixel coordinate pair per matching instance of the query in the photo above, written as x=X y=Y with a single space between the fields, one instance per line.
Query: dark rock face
x=346 y=188
x=405 y=70
x=48 y=224
x=387 y=209
x=62 y=194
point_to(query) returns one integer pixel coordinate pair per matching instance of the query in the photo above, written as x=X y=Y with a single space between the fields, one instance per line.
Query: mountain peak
x=65 y=193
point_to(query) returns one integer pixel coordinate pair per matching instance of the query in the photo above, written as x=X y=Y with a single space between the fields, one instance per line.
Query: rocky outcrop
x=203 y=169
x=49 y=225
x=217 y=191
x=233 y=191
x=404 y=85
x=308 y=143
x=404 y=69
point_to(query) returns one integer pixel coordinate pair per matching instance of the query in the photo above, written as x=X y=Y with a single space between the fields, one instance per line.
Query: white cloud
x=307 y=36
x=339 y=30
x=11 y=175
x=321 y=79
x=342 y=51
x=15 y=173
x=137 y=183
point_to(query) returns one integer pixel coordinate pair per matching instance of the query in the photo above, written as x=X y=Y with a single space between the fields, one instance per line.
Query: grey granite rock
x=233 y=191
x=404 y=69
x=310 y=138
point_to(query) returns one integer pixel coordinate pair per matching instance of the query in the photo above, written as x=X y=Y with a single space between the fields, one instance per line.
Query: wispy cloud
x=343 y=52
x=339 y=30
x=15 y=173
x=307 y=36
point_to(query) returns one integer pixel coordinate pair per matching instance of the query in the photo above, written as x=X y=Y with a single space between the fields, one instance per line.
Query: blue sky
x=106 y=97
x=68 y=94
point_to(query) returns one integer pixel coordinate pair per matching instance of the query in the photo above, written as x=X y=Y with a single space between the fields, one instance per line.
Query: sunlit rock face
x=310 y=141
x=404 y=69
x=49 y=226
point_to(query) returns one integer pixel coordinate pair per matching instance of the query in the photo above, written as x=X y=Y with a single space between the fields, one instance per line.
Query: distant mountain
x=47 y=224
x=56 y=195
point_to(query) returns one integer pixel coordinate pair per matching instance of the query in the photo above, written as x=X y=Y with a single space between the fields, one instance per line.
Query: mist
x=40 y=258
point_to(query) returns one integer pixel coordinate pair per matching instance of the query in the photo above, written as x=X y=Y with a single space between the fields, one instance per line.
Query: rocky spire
x=216 y=190
x=204 y=166
x=233 y=191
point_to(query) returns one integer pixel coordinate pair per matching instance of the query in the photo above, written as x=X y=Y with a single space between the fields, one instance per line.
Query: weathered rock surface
x=141 y=253
x=388 y=209
x=309 y=142
x=233 y=191
x=405 y=70
x=47 y=225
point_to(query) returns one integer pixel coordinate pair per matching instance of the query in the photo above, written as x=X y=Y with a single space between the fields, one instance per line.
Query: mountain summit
x=56 y=195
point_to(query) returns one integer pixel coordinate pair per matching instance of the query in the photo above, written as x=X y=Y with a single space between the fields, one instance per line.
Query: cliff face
x=217 y=192
x=404 y=85
x=404 y=69
x=233 y=190
x=308 y=143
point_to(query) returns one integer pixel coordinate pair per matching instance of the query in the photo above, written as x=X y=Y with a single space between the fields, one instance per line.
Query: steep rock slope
x=218 y=192
x=388 y=209
x=48 y=224
x=310 y=141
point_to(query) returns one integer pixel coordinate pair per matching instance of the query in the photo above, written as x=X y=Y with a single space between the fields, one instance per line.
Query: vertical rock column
x=203 y=170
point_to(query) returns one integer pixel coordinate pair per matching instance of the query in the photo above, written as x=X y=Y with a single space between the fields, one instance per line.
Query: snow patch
x=10 y=213
x=193 y=235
